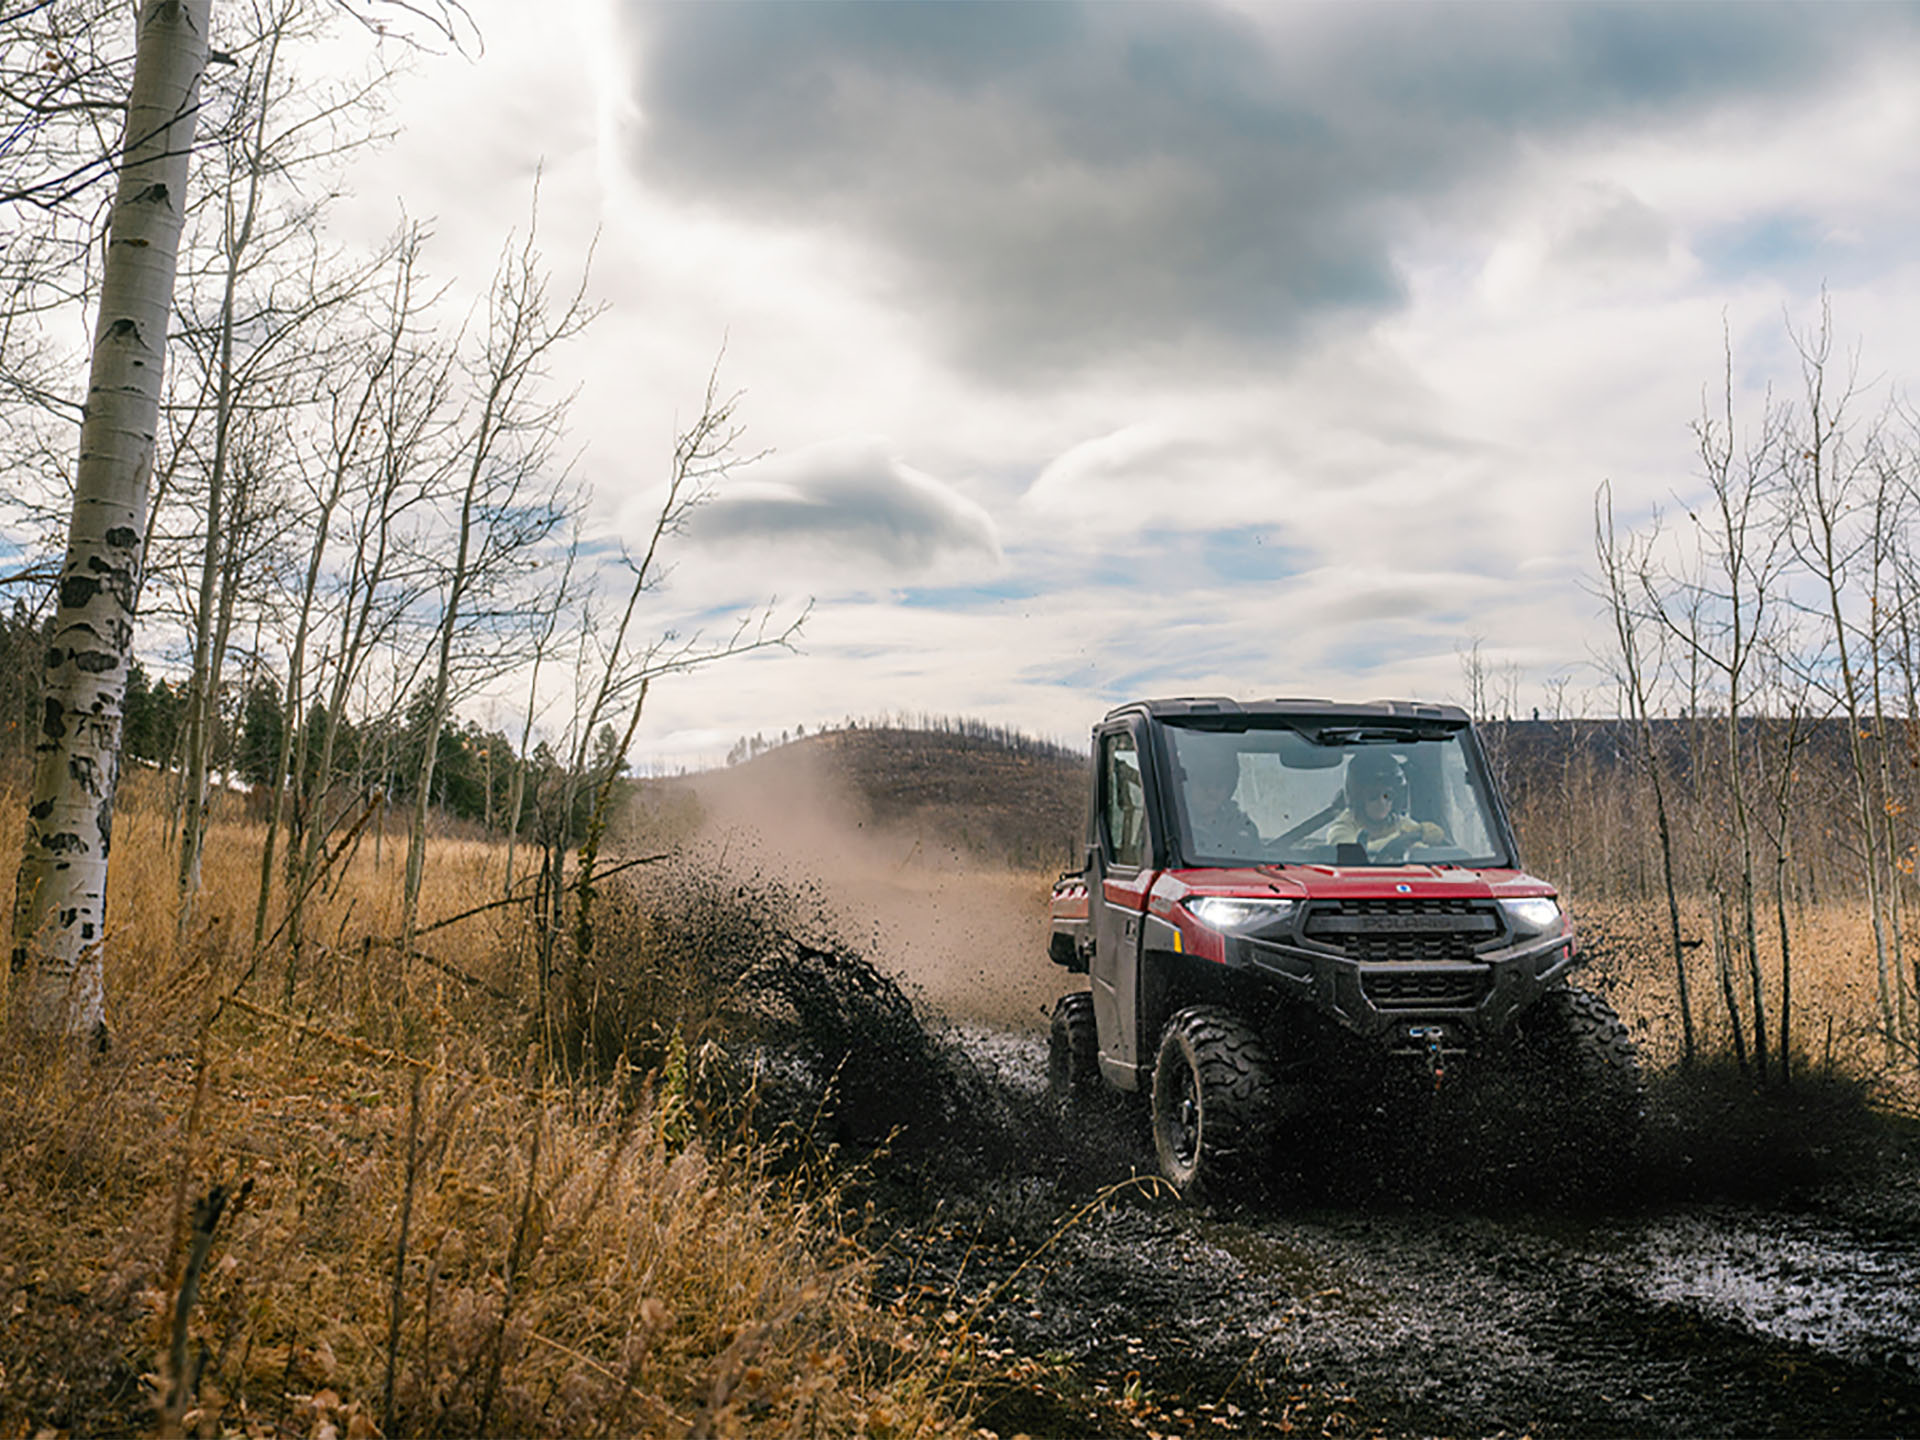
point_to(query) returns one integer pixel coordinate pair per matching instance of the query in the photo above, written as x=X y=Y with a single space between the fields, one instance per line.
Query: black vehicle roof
x=1191 y=707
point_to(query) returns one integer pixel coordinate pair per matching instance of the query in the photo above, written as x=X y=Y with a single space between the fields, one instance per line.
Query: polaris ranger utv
x=1279 y=892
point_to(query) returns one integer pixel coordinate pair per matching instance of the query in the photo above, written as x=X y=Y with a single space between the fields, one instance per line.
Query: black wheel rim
x=1184 y=1120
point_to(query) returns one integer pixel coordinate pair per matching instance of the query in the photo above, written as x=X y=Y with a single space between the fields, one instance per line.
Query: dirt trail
x=1379 y=1305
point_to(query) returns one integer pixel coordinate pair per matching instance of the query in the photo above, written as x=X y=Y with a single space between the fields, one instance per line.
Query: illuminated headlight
x=1536 y=915
x=1218 y=912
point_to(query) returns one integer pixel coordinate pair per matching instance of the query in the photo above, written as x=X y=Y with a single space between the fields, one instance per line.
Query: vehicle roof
x=1198 y=707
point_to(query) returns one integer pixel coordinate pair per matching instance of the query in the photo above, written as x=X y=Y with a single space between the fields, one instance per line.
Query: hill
x=969 y=794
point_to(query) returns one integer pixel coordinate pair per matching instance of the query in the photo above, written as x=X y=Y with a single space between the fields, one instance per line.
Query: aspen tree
x=1619 y=569
x=1825 y=473
x=60 y=893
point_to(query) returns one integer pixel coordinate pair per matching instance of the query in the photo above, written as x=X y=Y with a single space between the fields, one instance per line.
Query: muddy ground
x=1413 y=1268
x=1374 y=1300
x=1753 y=1269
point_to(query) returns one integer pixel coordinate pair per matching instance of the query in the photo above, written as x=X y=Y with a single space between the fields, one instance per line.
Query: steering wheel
x=1399 y=845
x=1394 y=849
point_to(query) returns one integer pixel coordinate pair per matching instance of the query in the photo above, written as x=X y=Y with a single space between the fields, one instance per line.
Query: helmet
x=1375 y=772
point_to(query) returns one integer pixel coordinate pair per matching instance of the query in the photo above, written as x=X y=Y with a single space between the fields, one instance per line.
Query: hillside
x=941 y=795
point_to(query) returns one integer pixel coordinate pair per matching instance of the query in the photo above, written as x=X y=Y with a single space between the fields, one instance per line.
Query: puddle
x=1794 y=1278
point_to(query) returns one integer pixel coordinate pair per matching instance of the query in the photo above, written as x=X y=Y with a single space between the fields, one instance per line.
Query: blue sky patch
x=1768 y=244
x=969 y=597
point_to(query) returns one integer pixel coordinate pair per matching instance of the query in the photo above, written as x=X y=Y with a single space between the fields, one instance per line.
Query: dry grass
x=1835 y=1023
x=422 y=1233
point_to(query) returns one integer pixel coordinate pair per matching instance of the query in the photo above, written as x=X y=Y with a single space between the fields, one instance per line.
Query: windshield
x=1346 y=795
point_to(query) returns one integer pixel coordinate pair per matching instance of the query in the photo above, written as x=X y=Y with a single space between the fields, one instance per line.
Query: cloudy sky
x=1109 y=349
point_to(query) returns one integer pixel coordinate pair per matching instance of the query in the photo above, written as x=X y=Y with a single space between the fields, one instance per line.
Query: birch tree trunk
x=60 y=894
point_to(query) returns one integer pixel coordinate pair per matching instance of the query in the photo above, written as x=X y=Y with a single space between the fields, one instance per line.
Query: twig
x=177 y=1230
x=400 y=1252
x=518 y=900
x=469 y=914
x=613 y=870
x=445 y=966
x=207 y=1211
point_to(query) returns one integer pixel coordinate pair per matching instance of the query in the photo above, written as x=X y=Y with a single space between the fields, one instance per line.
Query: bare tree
x=1743 y=549
x=60 y=895
x=64 y=77
x=704 y=453
x=545 y=625
x=255 y=341
x=1779 y=818
x=506 y=446
x=391 y=456
x=1623 y=572
x=1827 y=470
x=352 y=397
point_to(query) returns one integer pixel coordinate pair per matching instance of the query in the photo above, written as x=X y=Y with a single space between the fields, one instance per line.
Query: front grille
x=1403 y=931
x=1424 y=989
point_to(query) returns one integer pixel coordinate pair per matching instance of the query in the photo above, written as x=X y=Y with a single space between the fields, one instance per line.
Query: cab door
x=1121 y=866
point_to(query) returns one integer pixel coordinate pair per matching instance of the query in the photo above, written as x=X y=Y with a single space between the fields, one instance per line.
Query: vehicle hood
x=1371 y=882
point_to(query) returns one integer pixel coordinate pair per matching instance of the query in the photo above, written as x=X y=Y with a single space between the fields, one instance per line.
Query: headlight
x=1536 y=915
x=1218 y=912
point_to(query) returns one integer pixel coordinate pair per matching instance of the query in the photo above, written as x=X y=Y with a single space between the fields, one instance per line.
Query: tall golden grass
x=1834 y=1023
x=423 y=1232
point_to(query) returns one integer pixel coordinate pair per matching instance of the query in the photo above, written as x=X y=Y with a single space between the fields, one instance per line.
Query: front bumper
x=1406 y=1003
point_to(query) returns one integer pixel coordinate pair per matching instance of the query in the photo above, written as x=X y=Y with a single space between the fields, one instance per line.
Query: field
x=382 y=1210
x=377 y=1213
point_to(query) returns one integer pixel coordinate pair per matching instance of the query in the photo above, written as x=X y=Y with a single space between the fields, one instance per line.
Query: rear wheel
x=1212 y=1102
x=1073 y=1055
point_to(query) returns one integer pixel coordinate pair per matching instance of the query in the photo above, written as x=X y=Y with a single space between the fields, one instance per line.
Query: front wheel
x=1212 y=1102
x=1577 y=1048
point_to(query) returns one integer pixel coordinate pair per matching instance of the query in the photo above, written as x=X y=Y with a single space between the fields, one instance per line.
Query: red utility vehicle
x=1280 y=891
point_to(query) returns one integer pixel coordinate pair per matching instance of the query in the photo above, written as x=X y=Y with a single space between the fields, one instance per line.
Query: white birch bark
x=60 y=894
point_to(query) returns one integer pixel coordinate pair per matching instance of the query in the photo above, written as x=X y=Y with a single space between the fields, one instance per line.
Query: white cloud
x=851 y=501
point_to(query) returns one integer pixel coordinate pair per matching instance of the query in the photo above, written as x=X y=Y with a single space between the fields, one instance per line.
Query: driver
x=1376 y=807
x=1219 y=825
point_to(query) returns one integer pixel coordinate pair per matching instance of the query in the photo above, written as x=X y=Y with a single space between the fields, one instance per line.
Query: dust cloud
x=968 y=939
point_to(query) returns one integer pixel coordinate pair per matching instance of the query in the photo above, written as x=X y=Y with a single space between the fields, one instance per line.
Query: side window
x=1467 y=816
x=1123 y=801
